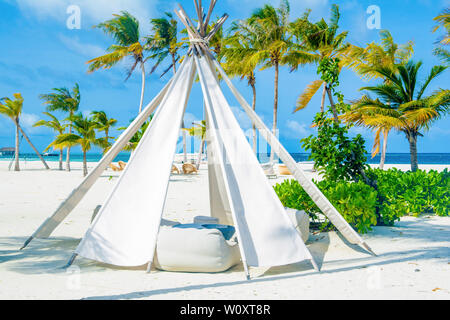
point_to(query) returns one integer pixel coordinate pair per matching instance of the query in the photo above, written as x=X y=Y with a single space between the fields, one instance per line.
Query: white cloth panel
x=218 y=200
x=266 y=233
x=125 y=231
x=50 y=224
x=311 y=189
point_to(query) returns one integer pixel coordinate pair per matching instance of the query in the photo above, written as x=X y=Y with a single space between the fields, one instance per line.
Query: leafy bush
x=398 y=194
x=336 y=156
x=355 y=201
x=412 y=193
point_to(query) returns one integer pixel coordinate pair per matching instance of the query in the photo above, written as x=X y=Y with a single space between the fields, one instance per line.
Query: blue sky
x=39 y=53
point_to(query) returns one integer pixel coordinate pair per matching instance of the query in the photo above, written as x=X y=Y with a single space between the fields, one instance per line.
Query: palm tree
x=62 y=99
x=164 y=41
x=13 y=109
x=316 y=42
x=443 y=20
x=272 y=27
x=199 y=131
x=409 y=111
x=241 y=45
x=134 y=141
x=56 y=126
x=103 y=124
x=124 y=29
x=388 y=54
x=86 y=137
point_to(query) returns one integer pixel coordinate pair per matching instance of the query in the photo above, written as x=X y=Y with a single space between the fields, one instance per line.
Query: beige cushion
x=301 y=221
x=194 y=250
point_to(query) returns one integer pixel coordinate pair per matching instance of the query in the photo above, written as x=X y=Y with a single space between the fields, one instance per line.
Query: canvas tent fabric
x=125 y=231
x=267 y=236
x=126 y=228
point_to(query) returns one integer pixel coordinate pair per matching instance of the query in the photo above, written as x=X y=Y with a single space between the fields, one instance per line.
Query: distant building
x=7 y=151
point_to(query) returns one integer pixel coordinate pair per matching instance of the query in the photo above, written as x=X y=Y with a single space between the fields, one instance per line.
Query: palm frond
x=307 y=95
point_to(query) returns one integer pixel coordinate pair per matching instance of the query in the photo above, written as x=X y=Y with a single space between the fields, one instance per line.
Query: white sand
x=413 y=257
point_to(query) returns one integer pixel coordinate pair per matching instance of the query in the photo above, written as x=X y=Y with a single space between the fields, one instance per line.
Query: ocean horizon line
x=442 y=158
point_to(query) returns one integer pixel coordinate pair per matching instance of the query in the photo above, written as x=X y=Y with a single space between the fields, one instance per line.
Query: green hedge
x=399 y=193
x=412 y=193
x=355 y=201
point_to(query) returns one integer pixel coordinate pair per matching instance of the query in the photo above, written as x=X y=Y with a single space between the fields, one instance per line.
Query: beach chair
x=268 y=170
x=114 y=168
x=283 y=170
x=189 y=168
x=121 y=165
x=175 y=169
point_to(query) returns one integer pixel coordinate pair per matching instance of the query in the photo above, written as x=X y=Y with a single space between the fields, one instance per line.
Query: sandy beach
x=413 y=259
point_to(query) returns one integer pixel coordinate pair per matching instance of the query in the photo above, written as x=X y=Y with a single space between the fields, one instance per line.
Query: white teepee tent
x=125 y=230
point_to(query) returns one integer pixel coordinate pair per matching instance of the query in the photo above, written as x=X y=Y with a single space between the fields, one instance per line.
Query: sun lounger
x=268 y=170
x=121 y=165
x=175 y=169
x=283 y=170
x=189 y=168
x=114 y=168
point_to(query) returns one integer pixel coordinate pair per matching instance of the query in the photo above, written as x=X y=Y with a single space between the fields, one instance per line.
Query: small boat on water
x=48 y=154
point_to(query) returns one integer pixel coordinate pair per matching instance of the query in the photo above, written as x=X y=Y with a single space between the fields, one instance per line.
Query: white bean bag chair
x=301 y=221
x=194 y=250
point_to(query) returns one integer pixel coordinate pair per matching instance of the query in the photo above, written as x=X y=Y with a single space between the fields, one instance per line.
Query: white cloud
x=27 y=120
x=92 y=12
x=242 y=118
x=85 y=49
x=296 y=129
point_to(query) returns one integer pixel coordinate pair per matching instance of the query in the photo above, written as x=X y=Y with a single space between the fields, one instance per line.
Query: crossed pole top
x=198 y=35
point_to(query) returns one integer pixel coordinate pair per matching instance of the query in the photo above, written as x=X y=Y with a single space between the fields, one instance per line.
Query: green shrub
x=336 y=156
x=412 y=193
x=355 y=201
x=399 y=193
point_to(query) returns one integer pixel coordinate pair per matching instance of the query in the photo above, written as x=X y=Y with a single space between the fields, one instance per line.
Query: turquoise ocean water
x=391 y=158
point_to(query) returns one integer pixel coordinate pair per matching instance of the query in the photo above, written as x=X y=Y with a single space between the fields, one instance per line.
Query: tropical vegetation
x=56 y=125
x=402 y=103
x=124 y=29
x=398 y=98
x=85 y=137
x=66 y=101
x=12 y=109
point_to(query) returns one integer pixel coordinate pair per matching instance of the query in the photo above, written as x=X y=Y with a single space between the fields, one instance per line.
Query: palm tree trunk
x=142 y=88
x=333 y=106
x=174 y=64
x=322 y=103
x=412 y=138
x=383 y=150
x=68 y=152
x=200 y=152
x=254 y=127
x=275 y=108
x=184 y=144
x=16 y=151
x=85 y=170
x=32 y=146
x=61 y=159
